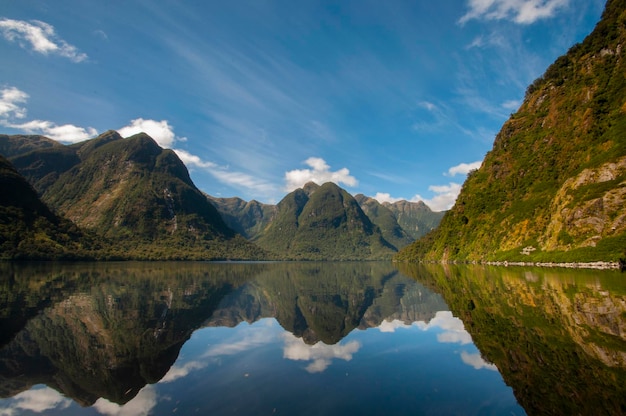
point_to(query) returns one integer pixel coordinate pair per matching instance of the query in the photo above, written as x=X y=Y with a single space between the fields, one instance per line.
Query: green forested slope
x=29 y=230
x=554 y=185
x=323 y=223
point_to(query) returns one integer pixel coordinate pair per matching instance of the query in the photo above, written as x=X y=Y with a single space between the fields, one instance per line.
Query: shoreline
x=597 y=265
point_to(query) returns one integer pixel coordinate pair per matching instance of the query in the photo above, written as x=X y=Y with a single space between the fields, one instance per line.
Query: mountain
x=385 y=219
x=247 y=218
x=415 y=218
x=20 y=144
x=136 y=194
x=553 y=188
x=401 y=222
x=323 y=222
x=29 y=229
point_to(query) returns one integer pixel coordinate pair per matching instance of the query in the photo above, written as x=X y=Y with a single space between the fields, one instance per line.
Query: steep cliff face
x=553 y=186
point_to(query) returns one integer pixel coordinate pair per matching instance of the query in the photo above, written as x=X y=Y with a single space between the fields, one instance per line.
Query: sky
x=392 y=99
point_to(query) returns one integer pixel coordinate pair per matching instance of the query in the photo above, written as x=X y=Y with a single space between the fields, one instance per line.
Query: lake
x=310 y=338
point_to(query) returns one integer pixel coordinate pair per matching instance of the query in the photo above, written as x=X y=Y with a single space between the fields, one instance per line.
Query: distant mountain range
x=553 y=188
x=137 y=201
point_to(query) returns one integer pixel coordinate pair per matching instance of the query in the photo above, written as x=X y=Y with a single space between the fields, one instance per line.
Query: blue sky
x=394 y=99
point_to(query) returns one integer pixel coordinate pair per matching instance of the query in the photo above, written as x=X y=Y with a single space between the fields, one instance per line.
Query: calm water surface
x=310 y=339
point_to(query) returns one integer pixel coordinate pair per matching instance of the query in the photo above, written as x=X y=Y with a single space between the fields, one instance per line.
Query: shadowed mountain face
x=106 y=330
x=29 y=229
x=558 y=338
x=553 y=188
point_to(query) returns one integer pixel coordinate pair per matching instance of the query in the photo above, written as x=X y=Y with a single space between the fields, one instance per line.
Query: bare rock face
x=588 y=207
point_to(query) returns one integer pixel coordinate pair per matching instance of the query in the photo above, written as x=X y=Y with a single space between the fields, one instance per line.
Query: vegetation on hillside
x=323 y=223
x=30 y=231
x=553 y=188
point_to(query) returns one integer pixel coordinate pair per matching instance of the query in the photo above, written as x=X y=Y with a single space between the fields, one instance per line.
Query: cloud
x=66 y=133
x=463 y=168
x=444 y=195
x=385 y=197
x=444 y=198
x=320 y=173
x=192 y=160
x=320 y=354
x=427 y=105
x=476 y=361
x=222 y=174
x=179 y=371
x=11 y=111
x=163 y=133
x=518 y=11
x=37 y=400
x=453 y=328
x=142 y=404
x=9 y=99
x=248 y=338
x=391 y=326
x=40 y=37
x=511 y=104
x=160 y=131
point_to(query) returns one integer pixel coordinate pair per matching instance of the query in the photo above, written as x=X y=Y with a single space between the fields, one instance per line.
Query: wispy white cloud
x=226 y=176
x=179 y=371
x=463 y=168
x=141 y=405
x=39 y=37
x=320 y=354
x=518 y=11
x=320 y=173
x=249 y=338
x=163 y=133
x=11 y=111
x=192 y=161
x=511 y=104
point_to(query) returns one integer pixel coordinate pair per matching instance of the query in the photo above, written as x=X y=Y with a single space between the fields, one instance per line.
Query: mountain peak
x=310 y=187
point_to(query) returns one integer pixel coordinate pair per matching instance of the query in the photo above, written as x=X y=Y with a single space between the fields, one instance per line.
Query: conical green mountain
x=28 y=229
x=554 y=185
x=323 y=222
x=134 y=193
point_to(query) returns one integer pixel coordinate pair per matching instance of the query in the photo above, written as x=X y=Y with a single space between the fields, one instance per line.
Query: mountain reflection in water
x=558 y=337
x=308 y=338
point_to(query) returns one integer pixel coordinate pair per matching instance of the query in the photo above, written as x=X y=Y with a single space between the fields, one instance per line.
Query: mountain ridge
x=553 y=187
